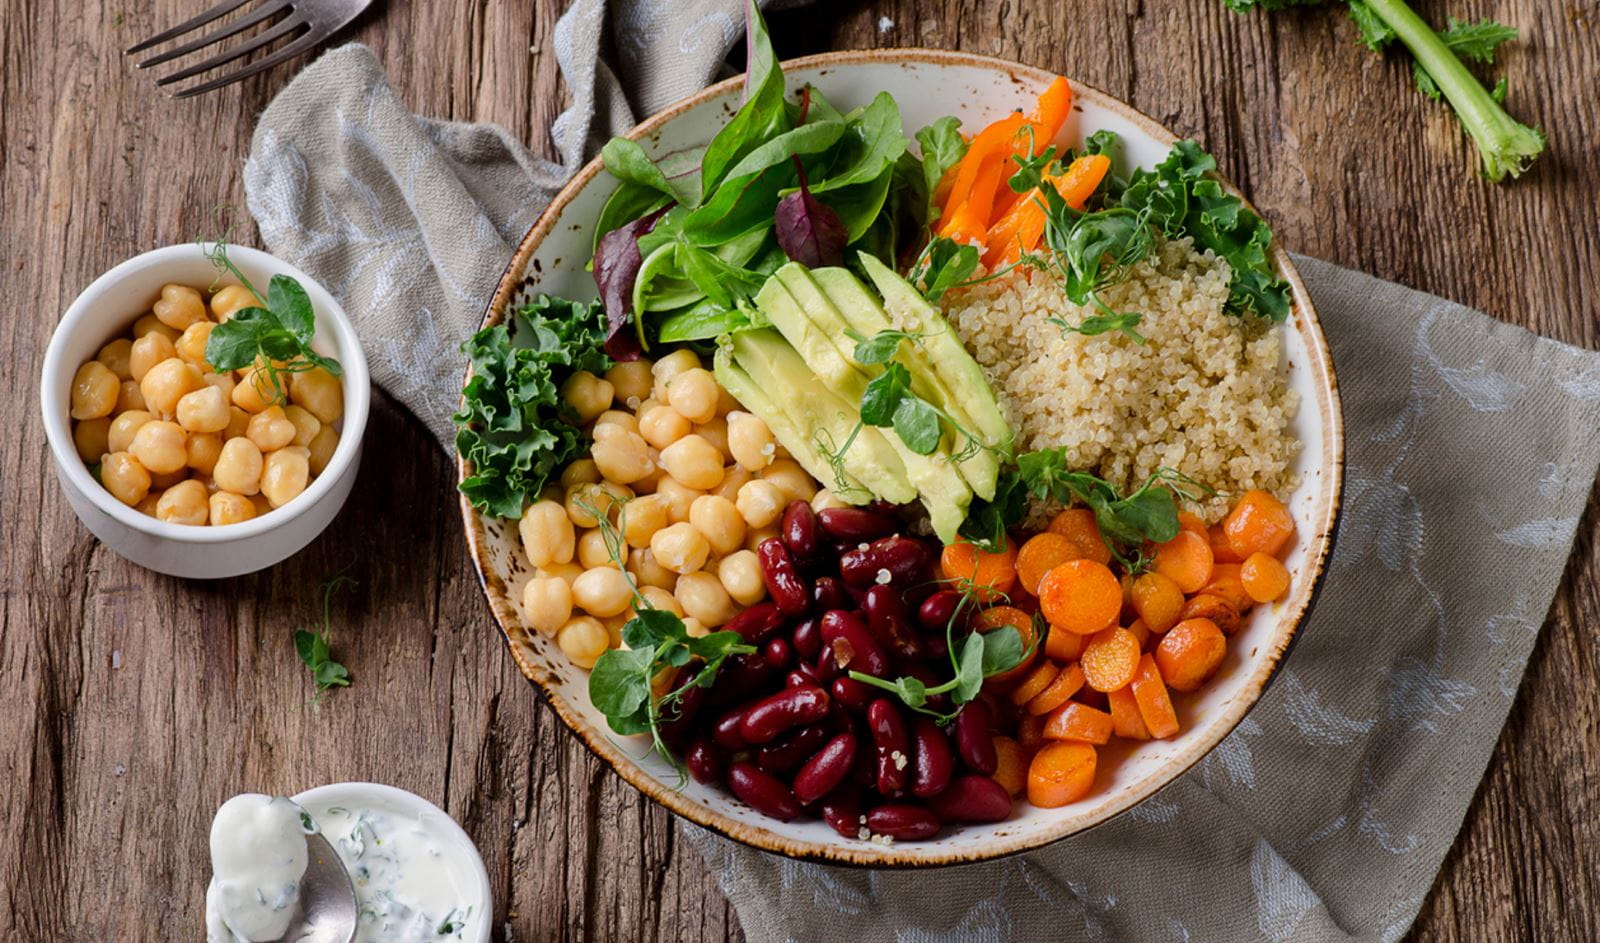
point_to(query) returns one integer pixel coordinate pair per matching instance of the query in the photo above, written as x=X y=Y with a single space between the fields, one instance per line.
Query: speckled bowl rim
x=1264 y=665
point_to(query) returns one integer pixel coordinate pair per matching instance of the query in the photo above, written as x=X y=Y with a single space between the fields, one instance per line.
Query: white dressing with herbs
x=258 y=855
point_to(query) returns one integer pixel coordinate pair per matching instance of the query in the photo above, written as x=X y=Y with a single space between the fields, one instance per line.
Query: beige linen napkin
x=1472 y=447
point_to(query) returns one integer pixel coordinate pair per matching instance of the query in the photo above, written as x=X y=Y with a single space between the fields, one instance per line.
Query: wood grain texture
x=132 y=704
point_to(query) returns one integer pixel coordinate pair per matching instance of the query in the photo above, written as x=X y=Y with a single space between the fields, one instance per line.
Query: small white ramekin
x=104 y=311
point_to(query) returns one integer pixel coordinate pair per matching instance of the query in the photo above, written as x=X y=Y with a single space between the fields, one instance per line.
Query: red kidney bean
x=727 y=730
x=762 y=791
x=973 y=740
x=890 y=622
x=786 y=755
x=756 y=623
x=855 y=524
x=797 y=678
x=776 y=653
x=705 y=762
x=893 y=745
x=826 y=769
x=782 y=578
x=841 y=809
x=852 y=646
x=903 y=558
x=935 y=648
x=934 y=761
x=769 y=717
x=799 y=530
x=936 y=611
x=865 y=769
x=677 y=729
x=902 y=821
x=972 y=798
x=828 y=593
x=851 y=693
x=827 y=667
x=743 y=677
x=807 y=638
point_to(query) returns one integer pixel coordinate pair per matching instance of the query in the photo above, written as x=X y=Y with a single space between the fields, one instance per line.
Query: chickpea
x=254 y=391
x=750 y=441
x=547 y=603
x=619 y=417
x=147 y=507
x=760 y=503
x=694 y=628
x=284 y=475
x=740 y=573
x=94 y=391
x=225 y=507
x=306 y=426
x=202 y=452
x=679 y=498
x=587 y=394
x=120 y=435
x=630 y=382
x=791 y=479
x=692 y=461
x=733 y=478
x=662 y=425
x=583 y=641
x=566 y=572
x=179 y=307
x=725 y=402
x=755 y=535
x=642 y=517
x=719 y=522
x=322 y=448
x=584 y=502
x=703 y=598
x=680 y=548
x=825 y=499
x=184 y=503
x=647 y=572
x=92 y=438
x=547 y=535
x=118 y=356
x=649 y=483
x=238 y=423
x=191 y=346
x=203 y=410
x=238 y=467
x=620 y=453
x=150 y=324
x=129 y=397
x=270 y=429
x=581 y=472
x=164 y=480
x=657 y=598
x=165 y=384
x=592 y=550
x=125 y=478
x=715 y=431
x=160 y=446
x=229 y=299
x=319 y=392
x=260 y=503
x=222 y=381
x=148 y=351
x=670 y=366
x=693 y=393
x=602 y=591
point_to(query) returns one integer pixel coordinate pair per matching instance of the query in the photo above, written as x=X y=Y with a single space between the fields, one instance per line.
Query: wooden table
x=132 y=704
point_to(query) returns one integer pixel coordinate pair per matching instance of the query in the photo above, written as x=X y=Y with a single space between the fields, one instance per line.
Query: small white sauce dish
x=103 y=311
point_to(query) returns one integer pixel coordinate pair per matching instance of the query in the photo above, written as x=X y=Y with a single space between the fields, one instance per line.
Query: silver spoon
x=327 y=898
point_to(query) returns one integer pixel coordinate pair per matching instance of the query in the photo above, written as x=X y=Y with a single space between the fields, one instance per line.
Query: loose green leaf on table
x=313 y=648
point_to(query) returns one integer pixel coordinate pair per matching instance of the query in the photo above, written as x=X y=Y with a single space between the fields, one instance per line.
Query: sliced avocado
x=797 y=406
x=865 y=313
x=808 y=338
x=960 y=373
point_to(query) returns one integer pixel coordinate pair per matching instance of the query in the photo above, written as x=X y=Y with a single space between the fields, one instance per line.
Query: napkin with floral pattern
x=1472 y=447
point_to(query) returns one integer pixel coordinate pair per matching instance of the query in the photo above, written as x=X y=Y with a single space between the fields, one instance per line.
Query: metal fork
x=313 y=21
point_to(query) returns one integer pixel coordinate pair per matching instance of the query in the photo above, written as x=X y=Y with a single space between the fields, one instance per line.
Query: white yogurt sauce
x=258 y=855
x=412 y=883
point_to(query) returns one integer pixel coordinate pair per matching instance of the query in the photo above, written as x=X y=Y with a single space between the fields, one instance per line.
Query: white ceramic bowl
x=927 y=84
x=104 y=311
x=435 y=820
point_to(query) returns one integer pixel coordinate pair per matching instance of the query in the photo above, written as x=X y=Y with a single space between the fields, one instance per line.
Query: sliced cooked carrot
x=1158 y=600
x=1066 y=684
x=1080 y=596
x=1259 y=523
x=991 y=575
x=1206 y=606
x=1225 y=582
x=1075 y=721
x=1030 y=733
x=996 y=616
x=1036 y=681
x=1155 y=706
x=1263 y=577
x=1188 y=520
x=1078 y=525
x=1011 y=770
x=1221 y=550
x=1040 y=554
x=1125 y=718
x=1141 y=632
x=1190 y=653
x=1060 y=773
x=1064 y=646
x=1110 y=659
x=1186 y=559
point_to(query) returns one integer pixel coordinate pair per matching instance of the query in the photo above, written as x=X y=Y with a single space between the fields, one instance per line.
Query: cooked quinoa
x=1205 y=394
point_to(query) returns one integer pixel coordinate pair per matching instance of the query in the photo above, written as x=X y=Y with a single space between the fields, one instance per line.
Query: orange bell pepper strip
x=966 y=209
x=1049 y=114
x=1020 y=230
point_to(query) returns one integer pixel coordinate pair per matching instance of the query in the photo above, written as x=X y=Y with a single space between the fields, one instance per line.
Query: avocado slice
x=809 y=338
x=765 y=374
